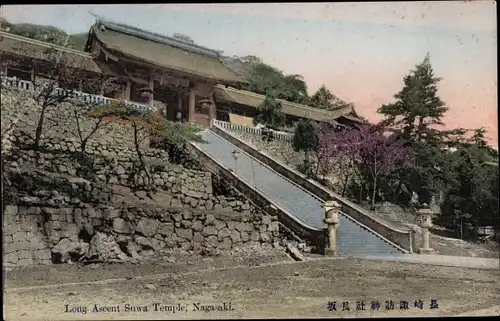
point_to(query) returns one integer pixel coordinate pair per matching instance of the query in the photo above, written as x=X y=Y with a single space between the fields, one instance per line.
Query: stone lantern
x=332 y=209
x=424 y=220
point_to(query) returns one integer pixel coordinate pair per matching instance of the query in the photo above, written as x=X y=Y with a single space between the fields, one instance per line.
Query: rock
x=176 y=203
x=150 y=287
x=110 y=213
x=210 y=219
x=223 y=233
x=255 y=236
x=244 y=236
x=197 y=226
x=184 y=233
x=209 y=230
x=211 y=241
x=123 y=239
x=235 y=236
x=273 y=226
x=170 y=260
x=165 y=229
x=226 y=244
x=121 y=226
x=104 y=248
x=219 y=224
x=162 y=198
x=241 y=227
x=141 y=194
x=144 y=243
x=187 y=215
x=266 y=219
x=264 y=237
x=62 y=251
x=147 y=227
x=209 y=204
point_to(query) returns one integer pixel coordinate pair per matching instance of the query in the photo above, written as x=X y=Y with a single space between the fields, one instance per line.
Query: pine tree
x=417 y=108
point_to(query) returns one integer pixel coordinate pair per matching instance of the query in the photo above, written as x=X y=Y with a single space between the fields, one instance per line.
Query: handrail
x=255 y=131
x=27 y=85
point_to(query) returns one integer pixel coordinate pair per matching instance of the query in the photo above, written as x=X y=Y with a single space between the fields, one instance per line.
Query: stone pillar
x=424 y=217
x=192 y=102
x=332 y=209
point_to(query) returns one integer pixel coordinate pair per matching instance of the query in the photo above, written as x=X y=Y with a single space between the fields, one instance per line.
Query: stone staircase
x=354 y=238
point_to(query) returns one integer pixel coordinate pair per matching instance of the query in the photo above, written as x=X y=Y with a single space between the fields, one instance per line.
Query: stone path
x=444 y=260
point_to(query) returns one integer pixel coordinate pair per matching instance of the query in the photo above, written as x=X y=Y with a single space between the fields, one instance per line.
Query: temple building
x=152 y=67
x=187 y=82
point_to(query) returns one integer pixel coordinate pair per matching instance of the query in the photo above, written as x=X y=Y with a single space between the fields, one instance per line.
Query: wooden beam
x=151 y=88
x=213 y=109
x=128 y=88
x=178 y=114
x=192 y=102
x=174 y=73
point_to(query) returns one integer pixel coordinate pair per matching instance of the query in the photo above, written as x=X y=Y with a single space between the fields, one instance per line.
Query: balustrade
x=26 y=85
x=254 y=131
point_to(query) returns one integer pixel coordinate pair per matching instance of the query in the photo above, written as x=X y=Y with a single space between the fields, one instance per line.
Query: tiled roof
x=22 y=46
x=166 y=56
x=254 y=100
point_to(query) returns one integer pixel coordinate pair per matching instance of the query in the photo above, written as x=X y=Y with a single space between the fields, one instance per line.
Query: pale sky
x=360 y=51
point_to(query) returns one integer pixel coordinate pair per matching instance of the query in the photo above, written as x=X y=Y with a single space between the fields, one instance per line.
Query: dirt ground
x=253 y=284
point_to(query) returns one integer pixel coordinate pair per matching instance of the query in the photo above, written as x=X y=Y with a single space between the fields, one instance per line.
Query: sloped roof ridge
x=156 y=37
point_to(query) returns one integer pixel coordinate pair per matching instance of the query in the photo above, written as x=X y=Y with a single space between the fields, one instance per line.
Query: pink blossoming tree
x=365 y=147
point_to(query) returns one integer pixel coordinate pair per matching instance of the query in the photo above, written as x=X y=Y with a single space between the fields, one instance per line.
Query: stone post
x=332 y=210
x=425 y=222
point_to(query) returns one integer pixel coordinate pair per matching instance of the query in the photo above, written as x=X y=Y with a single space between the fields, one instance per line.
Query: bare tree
x=91 y=113
x=6 y=133
x=145 y=125
x=84 y=114
x=55 y=71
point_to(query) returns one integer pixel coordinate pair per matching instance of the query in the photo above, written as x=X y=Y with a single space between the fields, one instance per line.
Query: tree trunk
x=344 y=187
x=140 y=156
x=84 y=145
x=374 y=191
x=39 y=129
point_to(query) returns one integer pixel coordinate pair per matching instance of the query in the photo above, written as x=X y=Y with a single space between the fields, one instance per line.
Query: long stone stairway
x=354 y=239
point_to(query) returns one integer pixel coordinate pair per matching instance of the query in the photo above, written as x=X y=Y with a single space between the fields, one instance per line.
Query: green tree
x=472 y=201
x=269 y=113
x=324 y=99
x=418 y=109
x=414 y=117
x=305 y=140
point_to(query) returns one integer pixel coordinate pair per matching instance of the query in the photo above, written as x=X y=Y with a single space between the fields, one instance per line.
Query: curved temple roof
x=165 y=52
x=252 y=99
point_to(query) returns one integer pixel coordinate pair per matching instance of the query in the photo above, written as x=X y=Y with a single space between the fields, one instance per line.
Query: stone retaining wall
x=38 y=234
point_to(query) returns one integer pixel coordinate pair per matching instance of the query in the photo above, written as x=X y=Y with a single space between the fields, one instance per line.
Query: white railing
x=249 y=130
x=26 y=85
